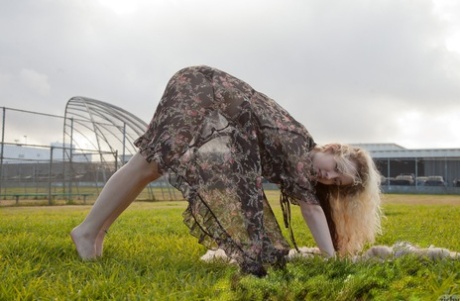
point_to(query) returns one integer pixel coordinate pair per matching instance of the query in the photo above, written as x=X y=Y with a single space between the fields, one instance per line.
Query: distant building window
x=21 y=156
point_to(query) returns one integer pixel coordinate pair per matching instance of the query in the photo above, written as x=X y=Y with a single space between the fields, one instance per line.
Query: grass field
x=149 y=255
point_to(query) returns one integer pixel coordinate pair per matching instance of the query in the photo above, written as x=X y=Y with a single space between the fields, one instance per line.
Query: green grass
x=149 y=255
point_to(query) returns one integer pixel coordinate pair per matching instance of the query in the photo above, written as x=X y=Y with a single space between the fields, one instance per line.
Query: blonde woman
x=216 y=138
x=352 y=211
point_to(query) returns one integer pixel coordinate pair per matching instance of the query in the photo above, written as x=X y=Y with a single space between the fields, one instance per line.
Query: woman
x=216 y=138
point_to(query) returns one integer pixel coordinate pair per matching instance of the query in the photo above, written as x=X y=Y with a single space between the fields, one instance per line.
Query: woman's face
x=325 y=166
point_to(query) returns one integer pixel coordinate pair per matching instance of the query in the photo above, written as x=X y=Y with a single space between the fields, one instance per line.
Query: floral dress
x=216 y=138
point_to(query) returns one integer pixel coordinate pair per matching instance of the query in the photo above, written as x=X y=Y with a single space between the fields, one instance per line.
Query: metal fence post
x=1 y=152
x=388 y=172
x=116 y=159
x=71 y=169
x=124 y=144
x=50 y=197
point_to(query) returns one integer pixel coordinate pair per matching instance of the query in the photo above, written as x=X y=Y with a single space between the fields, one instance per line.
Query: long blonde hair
x=353 y=211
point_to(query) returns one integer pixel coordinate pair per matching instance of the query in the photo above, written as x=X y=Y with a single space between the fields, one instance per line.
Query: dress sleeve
x=287 y=163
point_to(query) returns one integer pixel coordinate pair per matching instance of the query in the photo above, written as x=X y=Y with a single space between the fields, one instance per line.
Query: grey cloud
x=347 y=70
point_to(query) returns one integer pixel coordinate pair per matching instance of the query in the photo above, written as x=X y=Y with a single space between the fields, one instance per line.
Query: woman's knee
x=147 y=170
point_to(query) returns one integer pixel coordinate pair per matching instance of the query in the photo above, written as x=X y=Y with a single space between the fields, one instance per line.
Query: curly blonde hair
x=353 y=212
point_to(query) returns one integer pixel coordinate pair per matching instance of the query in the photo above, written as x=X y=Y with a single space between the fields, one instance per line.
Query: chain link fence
x=38 y=161
x=36 y=166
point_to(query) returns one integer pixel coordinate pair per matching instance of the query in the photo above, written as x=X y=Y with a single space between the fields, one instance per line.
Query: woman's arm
x=316 y=221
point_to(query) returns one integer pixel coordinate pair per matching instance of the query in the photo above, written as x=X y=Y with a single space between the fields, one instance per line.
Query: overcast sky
x=355 y=71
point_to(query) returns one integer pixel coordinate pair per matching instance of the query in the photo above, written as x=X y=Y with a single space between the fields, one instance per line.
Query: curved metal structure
x=91 y=124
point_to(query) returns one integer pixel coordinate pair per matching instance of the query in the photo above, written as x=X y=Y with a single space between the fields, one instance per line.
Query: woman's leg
x=108 y=222
x=101 y=235
x=119 y=192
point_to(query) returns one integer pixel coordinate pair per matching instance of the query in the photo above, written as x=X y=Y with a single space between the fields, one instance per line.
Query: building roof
x=390 y=150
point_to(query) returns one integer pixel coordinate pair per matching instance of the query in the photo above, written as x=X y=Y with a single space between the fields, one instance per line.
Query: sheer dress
x=216 y=139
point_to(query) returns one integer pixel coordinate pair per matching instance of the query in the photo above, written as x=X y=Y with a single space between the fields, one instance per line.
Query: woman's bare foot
x=86 y=247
